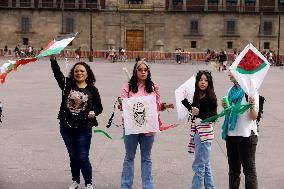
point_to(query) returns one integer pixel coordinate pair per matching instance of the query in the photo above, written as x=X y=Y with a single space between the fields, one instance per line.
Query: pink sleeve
x=124 y=91
x=158 y=100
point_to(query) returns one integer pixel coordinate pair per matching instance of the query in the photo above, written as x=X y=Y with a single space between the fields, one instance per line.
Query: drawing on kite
x=139 y=114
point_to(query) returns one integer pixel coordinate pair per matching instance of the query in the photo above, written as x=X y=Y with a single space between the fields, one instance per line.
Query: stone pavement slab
x=33 y=155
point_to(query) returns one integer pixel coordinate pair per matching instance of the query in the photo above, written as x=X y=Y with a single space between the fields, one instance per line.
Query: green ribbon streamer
x=102 y=131
x=233 y=108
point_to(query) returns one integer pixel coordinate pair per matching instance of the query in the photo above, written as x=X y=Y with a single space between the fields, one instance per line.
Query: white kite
x=250 y=69
x=189 y=88
x=140 y=115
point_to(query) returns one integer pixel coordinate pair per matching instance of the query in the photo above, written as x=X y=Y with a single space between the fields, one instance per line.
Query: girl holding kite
x=139 y=85
x=204 y=105
x=240 y=133
x=80 y=105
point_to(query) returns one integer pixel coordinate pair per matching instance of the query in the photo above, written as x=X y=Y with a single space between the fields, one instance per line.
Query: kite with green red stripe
x=251 y=63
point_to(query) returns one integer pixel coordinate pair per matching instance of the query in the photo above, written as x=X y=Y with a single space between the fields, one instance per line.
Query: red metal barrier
x=151 y=56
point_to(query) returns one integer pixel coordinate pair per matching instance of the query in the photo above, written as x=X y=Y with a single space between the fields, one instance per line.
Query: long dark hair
x=209 y=92
x=91 y=79
x=133 y=81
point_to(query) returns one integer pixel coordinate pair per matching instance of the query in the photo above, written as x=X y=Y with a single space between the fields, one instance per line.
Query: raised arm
x=58 y=75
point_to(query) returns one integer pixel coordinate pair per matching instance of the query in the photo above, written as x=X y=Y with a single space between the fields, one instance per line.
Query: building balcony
x=135 y=7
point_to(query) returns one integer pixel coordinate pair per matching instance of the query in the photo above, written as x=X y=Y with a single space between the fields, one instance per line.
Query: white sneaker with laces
x=89 y=186
x=74 y=185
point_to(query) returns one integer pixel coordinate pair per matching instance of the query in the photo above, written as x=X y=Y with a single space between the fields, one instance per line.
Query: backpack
x=260 y=108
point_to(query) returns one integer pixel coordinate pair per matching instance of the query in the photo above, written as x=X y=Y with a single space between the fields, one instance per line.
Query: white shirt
x=245 y=124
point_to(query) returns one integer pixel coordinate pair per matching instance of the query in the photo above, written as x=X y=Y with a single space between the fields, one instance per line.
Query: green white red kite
x=53 y=48
x=57 y=45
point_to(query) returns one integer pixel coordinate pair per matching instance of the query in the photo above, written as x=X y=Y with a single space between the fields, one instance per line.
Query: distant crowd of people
x=182 y=56
x=116 y=56
x=28 y=51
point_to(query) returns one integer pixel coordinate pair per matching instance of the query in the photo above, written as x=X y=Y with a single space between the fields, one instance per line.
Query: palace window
x=47 y=3
x=25 y=41
x=69 y=25
x=267 y=27
x=4 y=3
x=177 y=2
x=231 y=2
x=91 y=1
x=213 y=2
x=230 y=26
x=230 y=45
x=25 y=24
x=250 y=2
x=193 y=44
x=69 y=1
x=135 y=1
x=25 y=3
x=194 y=29
x=266 y=45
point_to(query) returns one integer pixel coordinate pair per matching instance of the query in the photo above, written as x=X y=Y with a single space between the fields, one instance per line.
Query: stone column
x=184 y=5
x=238 y=5
x=257 y=5
x=39 y=4
x=10 y=3
x=17 y=3
x=99 y=4
x=243 y=5
x=205 y=5
x=220 y=5
x=170 y=4
x=76 y=4
x=276 y=5
x=54 y=4
x=32 y=3
x=83 y=4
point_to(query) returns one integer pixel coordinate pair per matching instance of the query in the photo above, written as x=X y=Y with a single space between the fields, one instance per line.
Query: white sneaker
x=89 y=186
x=74 y=185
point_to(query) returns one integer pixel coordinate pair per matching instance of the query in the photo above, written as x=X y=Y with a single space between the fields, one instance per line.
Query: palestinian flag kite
x=6 y=68
x=250 y=69
x=57 y=45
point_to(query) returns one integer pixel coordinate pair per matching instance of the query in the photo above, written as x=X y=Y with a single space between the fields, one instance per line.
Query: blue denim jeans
x=131 y=142
x=201 y=165
x=78 y=147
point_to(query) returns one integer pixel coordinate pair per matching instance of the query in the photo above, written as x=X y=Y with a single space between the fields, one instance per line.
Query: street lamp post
x=62 y=16
x=281 y=2
x=91 y=36
x=260 y=30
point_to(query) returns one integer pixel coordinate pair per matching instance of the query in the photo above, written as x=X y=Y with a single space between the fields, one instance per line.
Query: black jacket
x=66 y=85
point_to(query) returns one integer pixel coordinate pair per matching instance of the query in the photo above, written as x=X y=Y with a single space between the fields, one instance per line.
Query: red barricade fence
x=151 y=56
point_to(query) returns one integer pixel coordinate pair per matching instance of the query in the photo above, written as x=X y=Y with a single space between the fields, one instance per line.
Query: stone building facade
x=149 y=25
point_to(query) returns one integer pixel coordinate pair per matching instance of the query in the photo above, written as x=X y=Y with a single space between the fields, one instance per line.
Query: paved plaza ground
x=33 y=155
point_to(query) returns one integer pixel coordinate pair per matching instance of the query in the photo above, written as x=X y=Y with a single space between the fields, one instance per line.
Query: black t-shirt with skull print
x=76 y=102
x=78 y=106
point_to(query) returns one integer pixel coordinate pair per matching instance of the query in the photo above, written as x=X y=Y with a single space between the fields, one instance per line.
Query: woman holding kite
x=80 y=105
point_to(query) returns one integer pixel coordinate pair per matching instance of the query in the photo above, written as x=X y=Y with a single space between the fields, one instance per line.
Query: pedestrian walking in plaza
x=80 y=105
x=204 y=105
x=240 y=133
x=140 y=85
x=5 y=50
